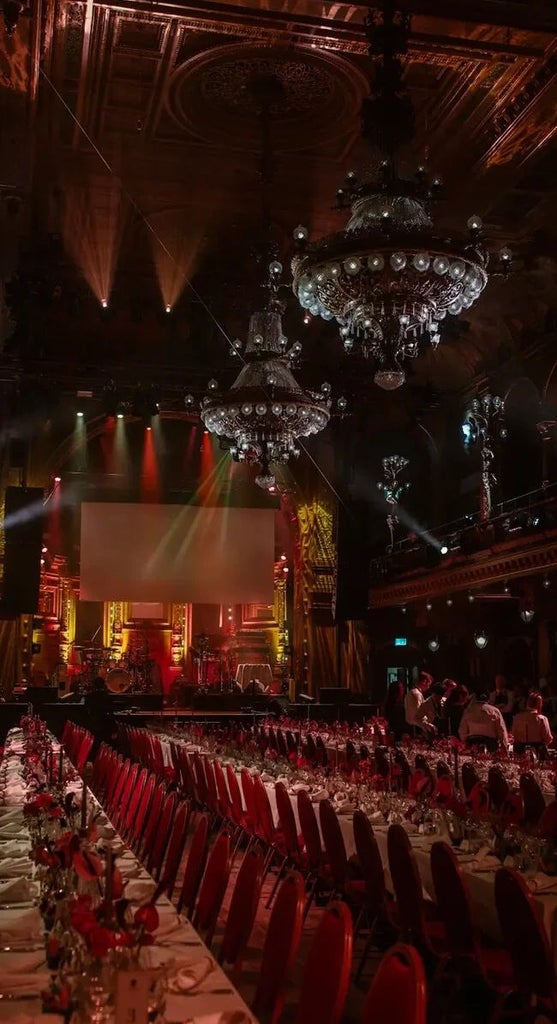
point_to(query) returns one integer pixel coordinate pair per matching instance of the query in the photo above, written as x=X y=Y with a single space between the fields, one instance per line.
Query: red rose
x=148 y=917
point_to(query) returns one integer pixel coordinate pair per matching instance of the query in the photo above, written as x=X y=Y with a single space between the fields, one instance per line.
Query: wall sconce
x=527 y=614
x=433 y=644
x=481 y=640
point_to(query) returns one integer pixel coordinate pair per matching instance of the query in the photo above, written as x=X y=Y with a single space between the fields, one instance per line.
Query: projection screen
x=133 y=552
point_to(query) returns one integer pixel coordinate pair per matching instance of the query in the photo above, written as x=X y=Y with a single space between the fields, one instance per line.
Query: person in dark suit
x=99 y=713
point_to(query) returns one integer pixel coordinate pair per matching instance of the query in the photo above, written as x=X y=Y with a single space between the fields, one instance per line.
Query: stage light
x=471 y=597
x=546 y=583
x=148 y=428
x=403 y=609
x=44 y=549
x=104 y=303
x=449 y=602
x=444 y=549
x=119 y=415
x=433 y=644
x=168 y=309
x=57 y=479
x=481 y=640
x=285 y=568
x=283 y=557
x=205 y=431
x=80 y=415
x=428 y=606
x=506 y=588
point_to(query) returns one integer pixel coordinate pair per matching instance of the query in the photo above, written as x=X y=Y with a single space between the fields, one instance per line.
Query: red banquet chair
x=333 y=842
x=371 y=892
x=398 y=991
x=175 y=851
x=532 y=799
x=195 y=864
x=312 y=842
x=280 y=949
x=326 y=974
x=213 y=887
x=291 y=850
x=155 y=856
x=416 y=921
x=242 y=910
x=526 y=939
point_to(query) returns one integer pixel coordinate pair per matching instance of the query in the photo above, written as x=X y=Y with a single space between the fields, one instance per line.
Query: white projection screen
x=149 y=553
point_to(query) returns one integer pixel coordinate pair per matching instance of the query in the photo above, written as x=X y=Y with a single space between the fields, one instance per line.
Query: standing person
x=415 y=697
x=99 y=713
x=428 y=715
x=454 y=706
x=483 y=723
x=393 y=709
x=503 y=698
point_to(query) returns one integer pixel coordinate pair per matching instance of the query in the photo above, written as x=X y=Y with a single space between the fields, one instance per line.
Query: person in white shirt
x=483 y=722
x=415 y=697
x=530 y=726
x=429 y=712
x=501 y=697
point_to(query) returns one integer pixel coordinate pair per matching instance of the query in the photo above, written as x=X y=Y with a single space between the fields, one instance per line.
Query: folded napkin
x=131 y=869
x=267 y=778
x=346 y=807
x=139 y=889
x=13 y=848
x=298 y=787
x=16 y=890
x=21 y=962
x=542 y=883
x=14 y=830
x=14 y=983
x=11 y=867
x=484 y=860
x=321 y=794
x=17 y=928
x=187 y=976
x=11 y=814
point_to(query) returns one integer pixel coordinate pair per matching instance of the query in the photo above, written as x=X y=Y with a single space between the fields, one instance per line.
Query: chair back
x=287 y=821
x=145 y=803
x=407 y=885
x=310 y=830
x=453 y=901
x=398 y=991
x=242 y=910
x=371 y=864
x=248 y=789
x=155 y=856
x=175 y=851
x=532 y=799
x=212 y=889
x=333 y=842
x=327 y=969
x=497 y=787
x=235 y=796
x=525 y=937
x=280 y=949
x=547 y=825
x=266 y=827
x=469 y=776
x=195 y=863
x=154 y=812
x=222 y=790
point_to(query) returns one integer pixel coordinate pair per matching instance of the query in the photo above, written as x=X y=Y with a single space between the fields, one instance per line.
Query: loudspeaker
x=351 y=587
x=23 y=541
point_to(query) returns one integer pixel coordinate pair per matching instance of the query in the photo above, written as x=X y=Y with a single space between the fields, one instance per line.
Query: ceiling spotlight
x=44 y=549
x=428 y=606
x=506 y=588
x=283 y=557
x=403 y=609
x=57 y=479
x=444 y=549
x=546 y=583
x=433 y=644
x=449 y=602
x=527 y=614
x=80 y=415
x=481 y=640
x=104 y=303
x=471 y=597
x=119 y=415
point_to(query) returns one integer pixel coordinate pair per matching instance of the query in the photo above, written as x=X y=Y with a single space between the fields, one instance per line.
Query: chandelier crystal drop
x=388 y=279
x=265 y=410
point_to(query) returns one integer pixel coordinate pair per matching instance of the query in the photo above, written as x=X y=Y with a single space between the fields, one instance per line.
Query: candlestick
x=83 y=825
x=61 y=767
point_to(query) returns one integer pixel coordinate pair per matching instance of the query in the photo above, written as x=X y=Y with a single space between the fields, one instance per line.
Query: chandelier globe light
x=265 y=410
x=389 y=279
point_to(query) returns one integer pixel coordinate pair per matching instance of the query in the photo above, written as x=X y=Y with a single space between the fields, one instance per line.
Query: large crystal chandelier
x=388 y=279
x=265 y=410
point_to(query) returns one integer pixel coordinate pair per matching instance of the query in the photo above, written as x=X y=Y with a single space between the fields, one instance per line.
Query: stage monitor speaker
x=24 y=523
x=352 y=582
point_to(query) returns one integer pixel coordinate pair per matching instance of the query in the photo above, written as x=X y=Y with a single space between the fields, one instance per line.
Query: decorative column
x=484 y=426
x=392 y=489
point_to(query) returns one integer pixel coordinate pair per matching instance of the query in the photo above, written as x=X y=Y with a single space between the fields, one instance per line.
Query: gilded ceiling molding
x=495 y=568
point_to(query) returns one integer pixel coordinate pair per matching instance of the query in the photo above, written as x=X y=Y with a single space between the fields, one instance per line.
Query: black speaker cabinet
x=351 y=590
x=23 y=541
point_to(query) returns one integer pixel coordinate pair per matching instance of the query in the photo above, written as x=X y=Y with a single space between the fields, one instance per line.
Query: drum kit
x=131 y=671
x=211 y=663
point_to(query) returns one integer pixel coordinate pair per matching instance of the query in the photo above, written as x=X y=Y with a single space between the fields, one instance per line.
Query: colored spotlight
x=57 y=479
x=168 y=309
x=444 y=550
x=80 y=415
x=104 y=303
x=119 y=415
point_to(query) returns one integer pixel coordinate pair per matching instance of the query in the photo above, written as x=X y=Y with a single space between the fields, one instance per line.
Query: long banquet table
x=479 y=874
x=214 y=1000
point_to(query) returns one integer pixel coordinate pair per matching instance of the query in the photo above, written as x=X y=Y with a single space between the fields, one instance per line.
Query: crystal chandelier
x=388 y=279
x=265 y=410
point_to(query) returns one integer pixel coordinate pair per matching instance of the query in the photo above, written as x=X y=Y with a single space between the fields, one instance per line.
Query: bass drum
x=118 y=680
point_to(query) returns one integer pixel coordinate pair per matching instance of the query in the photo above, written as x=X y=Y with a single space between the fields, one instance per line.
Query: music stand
x=308 y=700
